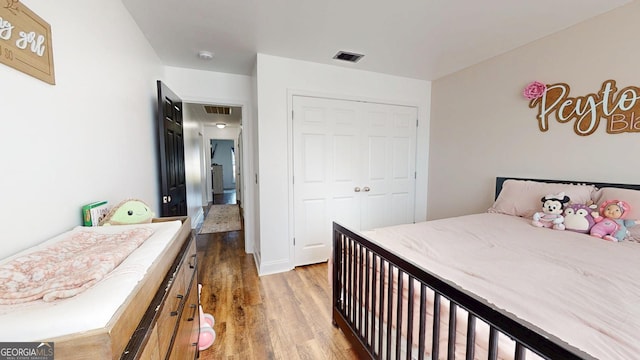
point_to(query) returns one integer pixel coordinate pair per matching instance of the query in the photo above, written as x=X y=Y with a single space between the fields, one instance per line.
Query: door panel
x=354 y=163
x=173 y=189
x=390 y=172
x=323 y=133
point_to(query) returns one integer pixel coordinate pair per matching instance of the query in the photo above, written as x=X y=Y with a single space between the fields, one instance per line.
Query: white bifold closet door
x=354 y=163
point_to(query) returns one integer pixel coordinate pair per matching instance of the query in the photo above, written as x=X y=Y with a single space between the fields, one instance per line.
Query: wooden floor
x=280 y=316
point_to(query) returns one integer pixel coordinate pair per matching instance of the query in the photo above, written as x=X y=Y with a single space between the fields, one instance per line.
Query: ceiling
x=421 y=39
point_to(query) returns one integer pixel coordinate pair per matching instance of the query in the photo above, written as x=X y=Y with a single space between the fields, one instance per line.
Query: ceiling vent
x=348 y=56
x=220 y=110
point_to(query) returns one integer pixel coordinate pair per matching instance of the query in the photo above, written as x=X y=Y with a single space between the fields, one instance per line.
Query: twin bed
x=491 y=285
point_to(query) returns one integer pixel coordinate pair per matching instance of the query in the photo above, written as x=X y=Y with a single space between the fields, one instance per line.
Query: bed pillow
x=522 y=197
x=628 y=195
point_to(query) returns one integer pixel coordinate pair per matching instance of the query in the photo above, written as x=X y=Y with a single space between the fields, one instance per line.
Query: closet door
x=326 y=169
x=389 y=158
x=354 y=163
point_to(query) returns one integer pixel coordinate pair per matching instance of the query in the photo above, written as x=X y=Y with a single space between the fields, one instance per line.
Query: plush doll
x=612 y=225
x=551 y=215
x=128 y=212
x=580 y=217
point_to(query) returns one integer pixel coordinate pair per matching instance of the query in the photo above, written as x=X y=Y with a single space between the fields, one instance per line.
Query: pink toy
x=551 y=215
x=207 y=334
x=611 y=225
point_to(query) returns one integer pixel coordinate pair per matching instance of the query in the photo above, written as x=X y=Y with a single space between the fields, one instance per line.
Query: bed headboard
x=501 y=180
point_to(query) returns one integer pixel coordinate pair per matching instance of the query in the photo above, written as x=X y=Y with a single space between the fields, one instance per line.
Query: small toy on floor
x=207 y=334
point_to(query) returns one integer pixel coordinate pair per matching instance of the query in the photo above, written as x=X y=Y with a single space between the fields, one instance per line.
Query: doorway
x=222 y=124
x=223 y=171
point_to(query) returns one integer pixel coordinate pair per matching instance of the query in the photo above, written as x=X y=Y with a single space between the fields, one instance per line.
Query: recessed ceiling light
x=205 y=55
x=221 y=125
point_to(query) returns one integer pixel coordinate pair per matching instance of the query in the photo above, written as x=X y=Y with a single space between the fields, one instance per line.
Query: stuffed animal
x=128 y=212
x=580 y=217
x=612 y=224
x=551 y=215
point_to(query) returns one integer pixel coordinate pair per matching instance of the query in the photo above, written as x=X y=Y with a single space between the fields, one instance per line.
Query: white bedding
x=93 y=308
x=579 y=288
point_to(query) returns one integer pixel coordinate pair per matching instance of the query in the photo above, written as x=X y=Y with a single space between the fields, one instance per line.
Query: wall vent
x=221 y=110
x=348 y=56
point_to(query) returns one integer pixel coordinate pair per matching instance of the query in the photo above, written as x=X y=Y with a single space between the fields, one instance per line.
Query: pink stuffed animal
x=611 y=225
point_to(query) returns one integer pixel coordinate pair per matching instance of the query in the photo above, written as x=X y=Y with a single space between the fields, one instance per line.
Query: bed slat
x=471 y=336
x=451 y=350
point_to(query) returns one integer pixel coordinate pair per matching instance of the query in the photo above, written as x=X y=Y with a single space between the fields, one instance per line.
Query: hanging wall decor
x=619 y=108
x=25 y=41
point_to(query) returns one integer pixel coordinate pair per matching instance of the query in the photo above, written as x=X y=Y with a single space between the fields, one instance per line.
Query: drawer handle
x=192 y=265
x=174 y=313
x=180 y=296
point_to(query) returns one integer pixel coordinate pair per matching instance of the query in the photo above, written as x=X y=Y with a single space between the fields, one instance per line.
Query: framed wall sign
x=25 y=41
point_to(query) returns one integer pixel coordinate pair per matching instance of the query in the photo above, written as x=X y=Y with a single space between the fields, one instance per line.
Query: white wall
x=209 y=87
x=277 y=80
x=89 y=137
x=482 y=126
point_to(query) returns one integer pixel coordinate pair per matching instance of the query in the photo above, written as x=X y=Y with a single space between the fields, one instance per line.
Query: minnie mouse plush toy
x=551 y=215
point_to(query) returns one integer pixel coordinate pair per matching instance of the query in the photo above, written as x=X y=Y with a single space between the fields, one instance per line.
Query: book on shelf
x=94 y=212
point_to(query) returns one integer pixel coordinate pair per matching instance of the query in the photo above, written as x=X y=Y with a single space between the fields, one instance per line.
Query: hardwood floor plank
x=278 y=316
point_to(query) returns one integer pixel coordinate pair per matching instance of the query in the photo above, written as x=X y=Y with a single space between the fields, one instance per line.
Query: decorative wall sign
x=620 y=109
x=25 y=41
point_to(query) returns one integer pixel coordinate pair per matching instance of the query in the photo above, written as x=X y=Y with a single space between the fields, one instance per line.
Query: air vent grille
x=348 y=56
x=221 y=110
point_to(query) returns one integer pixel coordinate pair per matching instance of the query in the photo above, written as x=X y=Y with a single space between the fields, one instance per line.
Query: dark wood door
x=173 y=189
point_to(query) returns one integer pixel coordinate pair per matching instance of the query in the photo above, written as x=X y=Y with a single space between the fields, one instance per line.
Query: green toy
x=130 y=211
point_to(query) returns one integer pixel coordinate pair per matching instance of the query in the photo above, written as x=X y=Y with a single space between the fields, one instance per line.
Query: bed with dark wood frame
x=353 y=316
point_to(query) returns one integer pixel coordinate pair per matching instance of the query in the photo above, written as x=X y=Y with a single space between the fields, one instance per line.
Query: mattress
x=578 y=288
x=93 y=308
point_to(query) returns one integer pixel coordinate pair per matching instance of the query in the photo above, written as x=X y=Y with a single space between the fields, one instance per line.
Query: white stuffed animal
x=551 y=214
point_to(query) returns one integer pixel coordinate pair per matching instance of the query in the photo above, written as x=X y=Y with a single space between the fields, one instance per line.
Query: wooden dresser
x=171 y=325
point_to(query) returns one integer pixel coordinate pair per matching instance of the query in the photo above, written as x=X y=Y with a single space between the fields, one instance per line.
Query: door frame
x=417 y=216
x=249 y=192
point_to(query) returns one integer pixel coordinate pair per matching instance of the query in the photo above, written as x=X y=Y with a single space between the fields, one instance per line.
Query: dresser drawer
x=169 y=313
x=151 y=350
x=186 y=341
x=190 y=264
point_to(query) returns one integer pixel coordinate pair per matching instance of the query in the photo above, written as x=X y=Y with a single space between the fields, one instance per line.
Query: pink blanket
x=68 y=266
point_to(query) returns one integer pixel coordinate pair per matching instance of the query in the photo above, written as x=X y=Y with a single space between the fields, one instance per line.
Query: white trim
x=198 y=219
x=274 y=267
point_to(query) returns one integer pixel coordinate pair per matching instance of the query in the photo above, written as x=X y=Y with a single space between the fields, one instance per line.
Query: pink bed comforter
x=66 y=267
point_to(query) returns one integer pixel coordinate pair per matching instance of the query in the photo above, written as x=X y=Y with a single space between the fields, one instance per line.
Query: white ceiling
x=423 y=39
